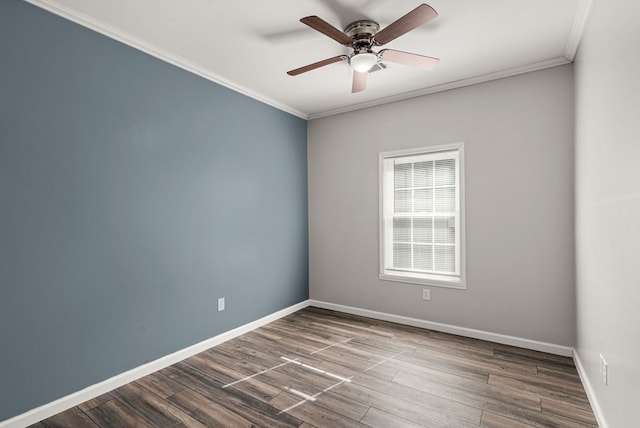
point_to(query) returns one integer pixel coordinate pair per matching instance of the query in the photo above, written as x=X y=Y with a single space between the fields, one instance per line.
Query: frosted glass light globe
x=363 y=62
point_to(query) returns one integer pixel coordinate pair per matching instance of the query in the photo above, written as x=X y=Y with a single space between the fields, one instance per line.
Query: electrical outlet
x=426 y=294
x=604 y=370
x=221 y=304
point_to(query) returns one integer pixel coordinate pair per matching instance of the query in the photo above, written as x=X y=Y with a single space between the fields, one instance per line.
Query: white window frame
x=386 y=196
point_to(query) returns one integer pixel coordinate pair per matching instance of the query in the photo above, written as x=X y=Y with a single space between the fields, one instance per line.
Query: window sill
x=432 y=280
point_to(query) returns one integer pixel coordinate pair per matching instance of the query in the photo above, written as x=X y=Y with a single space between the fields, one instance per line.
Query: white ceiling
x=249 y=45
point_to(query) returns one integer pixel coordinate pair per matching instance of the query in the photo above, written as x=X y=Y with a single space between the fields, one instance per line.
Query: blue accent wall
x=133 y=195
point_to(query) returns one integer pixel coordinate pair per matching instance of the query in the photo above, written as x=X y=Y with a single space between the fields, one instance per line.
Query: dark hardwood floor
x=318 y=368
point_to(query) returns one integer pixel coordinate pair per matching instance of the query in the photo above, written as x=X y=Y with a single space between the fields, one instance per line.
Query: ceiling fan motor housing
x=362 y=33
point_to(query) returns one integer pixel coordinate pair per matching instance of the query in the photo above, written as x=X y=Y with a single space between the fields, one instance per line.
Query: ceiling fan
x=362 y=36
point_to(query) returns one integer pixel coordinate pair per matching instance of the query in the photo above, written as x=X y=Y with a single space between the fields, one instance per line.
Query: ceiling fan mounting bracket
x=363 y=26
x=362 y=33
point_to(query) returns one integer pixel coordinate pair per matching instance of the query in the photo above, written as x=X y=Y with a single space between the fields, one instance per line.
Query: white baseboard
x=535 y=345
x=595 y=405
x=93 y=391
x=107 y=385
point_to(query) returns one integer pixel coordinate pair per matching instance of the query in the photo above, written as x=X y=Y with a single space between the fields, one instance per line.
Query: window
x=422 y=216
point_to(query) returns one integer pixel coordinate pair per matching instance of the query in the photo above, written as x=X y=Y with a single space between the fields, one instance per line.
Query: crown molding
x=577 y=29
x=555 y=62
x=84 y=20
x=148 y=48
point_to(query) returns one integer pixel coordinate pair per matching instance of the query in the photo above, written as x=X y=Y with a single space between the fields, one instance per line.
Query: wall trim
x=554 y=62
x=535 y=345
x=47 y=410
x=144 y=46
x=156 y=52
x=591 y=394
x=577 y=29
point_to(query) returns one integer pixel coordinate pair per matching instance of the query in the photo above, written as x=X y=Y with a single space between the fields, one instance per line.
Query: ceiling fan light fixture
x=363 y=61
x=362 y=35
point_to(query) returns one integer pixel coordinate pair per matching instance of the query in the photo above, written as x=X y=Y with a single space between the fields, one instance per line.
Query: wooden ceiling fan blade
x=327 y=29
x=317 y=65
x=403 y=25
x=359 y=82
x=422 y=62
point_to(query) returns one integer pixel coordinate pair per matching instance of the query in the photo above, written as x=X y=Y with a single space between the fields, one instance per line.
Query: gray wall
x=518 y=135
x=133 y=194
x=608 y=206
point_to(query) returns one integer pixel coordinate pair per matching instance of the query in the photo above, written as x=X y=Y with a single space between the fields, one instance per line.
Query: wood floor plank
x=376 y=367
x=311 y=413
x=285 y=345
x=208 y=411
x=160 y=385
x=580 y=401
x=564 y=374
x=95 y=402
x=250 y=408
x=536 y=384
x=300 y=325
x=342 y=405
x=73 y=417
x=320 y=387
x=302 y=345
x=318 y=368
x=481 y=362
x=420 y=408
x=250 y=361
x=545 y=420
x=329 y=317
x=310 y=340
x=454 y=345
x=562 y=409
x=351 y=327
x=340 y=357
x=154 y=409
x=467 y=370
x=113 y=413
x=559 y=360
x=355 y=352
x=453 y=348
x=454 y=340
x=371 y=386
x=244 y=359
x=562 y=422
x=499 y=401
x=526 y=417
x=436 y=374
x=301 y=380
x=377 y=418
x=475 y=394
x=412 y=339
x=494 y=420
x=398 y=330
x=313 y=376
x=240 y=357
x=381 y=348
x=224 y=375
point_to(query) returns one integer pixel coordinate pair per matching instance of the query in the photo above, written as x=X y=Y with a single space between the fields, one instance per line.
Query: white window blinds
x=421 y=215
